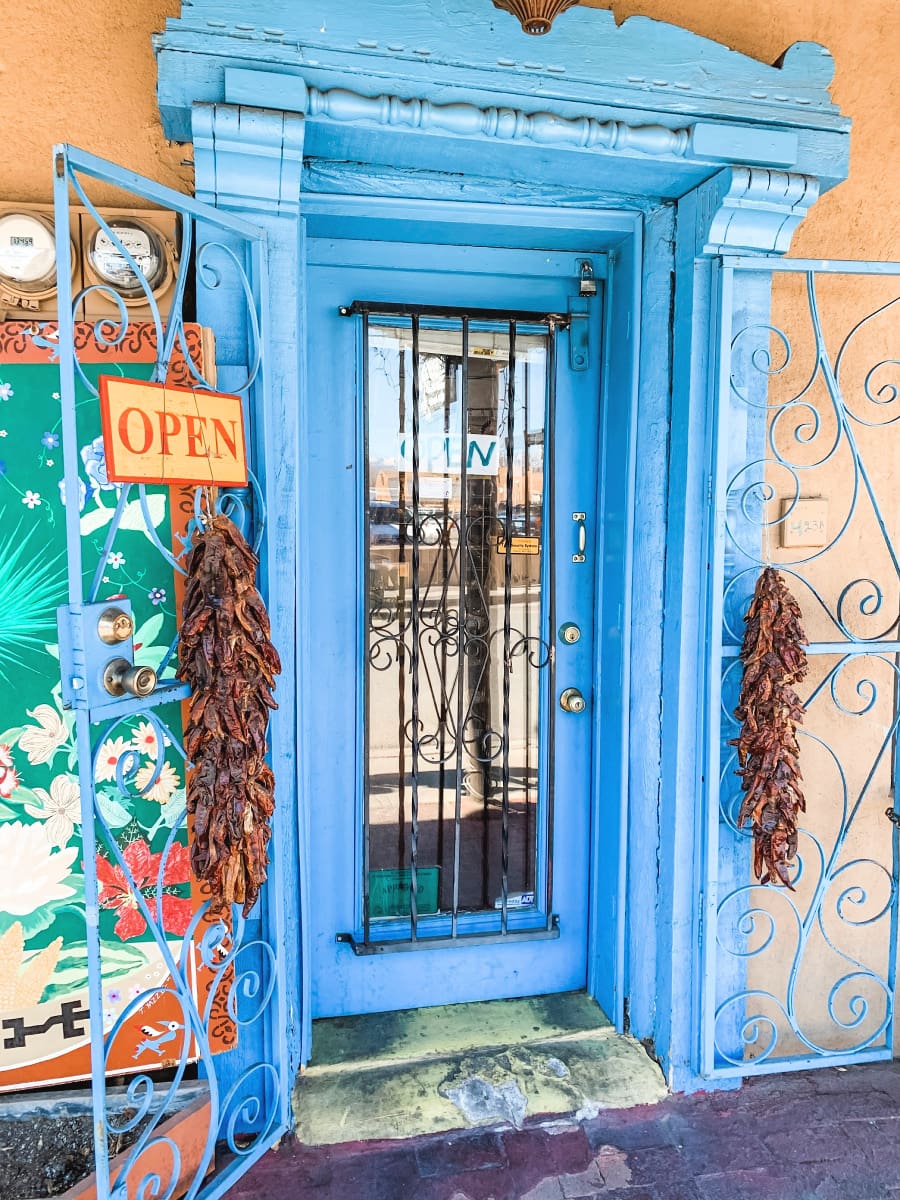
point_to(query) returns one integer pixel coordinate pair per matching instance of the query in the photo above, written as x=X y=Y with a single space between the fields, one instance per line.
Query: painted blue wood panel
x=646 y=62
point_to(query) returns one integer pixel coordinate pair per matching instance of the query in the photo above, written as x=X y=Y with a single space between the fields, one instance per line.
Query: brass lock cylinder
x=114 y=625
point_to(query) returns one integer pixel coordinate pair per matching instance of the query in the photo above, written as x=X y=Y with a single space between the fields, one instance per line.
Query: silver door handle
x=579 y=519
x=572 y=701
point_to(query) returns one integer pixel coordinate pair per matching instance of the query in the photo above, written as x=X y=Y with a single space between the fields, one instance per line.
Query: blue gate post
x=248 y=161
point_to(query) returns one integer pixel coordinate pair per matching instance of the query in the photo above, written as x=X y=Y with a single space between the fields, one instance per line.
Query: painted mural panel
x=43 y=949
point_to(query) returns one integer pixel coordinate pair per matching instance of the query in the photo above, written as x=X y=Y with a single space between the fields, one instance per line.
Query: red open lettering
x=219 y=431
x=195 y=427
x=169 y=425
x=124 y=437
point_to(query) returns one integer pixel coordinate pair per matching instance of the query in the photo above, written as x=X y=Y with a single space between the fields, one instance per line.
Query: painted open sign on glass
x=441 y=454
x=153 y=433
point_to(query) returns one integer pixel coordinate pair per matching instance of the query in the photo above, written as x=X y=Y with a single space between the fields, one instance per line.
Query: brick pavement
x=820 y=1135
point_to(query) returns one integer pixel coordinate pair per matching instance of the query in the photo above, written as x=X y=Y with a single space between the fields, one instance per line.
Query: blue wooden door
x=451 y=484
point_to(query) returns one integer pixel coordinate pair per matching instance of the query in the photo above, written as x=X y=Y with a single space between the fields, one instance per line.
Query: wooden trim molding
x=706 y=141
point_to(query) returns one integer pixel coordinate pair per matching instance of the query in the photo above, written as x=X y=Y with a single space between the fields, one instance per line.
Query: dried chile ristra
x=226 y=655
x=770 y=711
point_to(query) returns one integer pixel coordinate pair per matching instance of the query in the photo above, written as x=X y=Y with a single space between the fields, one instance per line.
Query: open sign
x=153 y=433
x=441 y=454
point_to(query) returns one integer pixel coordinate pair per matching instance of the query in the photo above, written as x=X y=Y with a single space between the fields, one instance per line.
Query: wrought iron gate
x=805 y=452
x=210 y=1009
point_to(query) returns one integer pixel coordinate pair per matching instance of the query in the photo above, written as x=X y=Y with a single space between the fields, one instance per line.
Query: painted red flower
x=9 y=778
x=116 y=893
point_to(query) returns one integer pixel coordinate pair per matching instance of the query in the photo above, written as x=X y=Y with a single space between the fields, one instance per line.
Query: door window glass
x=457 y=613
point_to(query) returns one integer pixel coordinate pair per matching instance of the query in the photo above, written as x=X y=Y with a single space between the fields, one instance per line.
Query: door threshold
x=500 y=1062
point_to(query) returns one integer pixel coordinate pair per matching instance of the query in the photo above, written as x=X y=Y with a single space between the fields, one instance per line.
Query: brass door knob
x=572 y=701
x=114 y=625
x=121 y=677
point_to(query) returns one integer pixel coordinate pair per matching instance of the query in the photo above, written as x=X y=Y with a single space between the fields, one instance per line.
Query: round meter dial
x=27 y=254
x=144 y=245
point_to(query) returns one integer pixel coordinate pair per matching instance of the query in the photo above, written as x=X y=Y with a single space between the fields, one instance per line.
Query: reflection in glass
x=456 y=645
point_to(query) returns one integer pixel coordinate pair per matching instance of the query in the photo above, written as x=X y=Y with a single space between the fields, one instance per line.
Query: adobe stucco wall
x=859 y=218
x=83 y=71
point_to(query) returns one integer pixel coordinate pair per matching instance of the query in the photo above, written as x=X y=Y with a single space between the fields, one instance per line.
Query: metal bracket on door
x=579 y=518
x=579 y=333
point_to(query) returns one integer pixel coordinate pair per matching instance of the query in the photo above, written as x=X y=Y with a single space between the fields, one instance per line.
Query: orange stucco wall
x=859 y=219
x=82 y=71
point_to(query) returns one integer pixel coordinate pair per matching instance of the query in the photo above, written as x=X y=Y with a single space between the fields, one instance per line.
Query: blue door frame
x=386 y=112
x=470 y=276
x=509 y=228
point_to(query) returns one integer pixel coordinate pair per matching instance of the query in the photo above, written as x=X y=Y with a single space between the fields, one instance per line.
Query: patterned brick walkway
x=821 y=1135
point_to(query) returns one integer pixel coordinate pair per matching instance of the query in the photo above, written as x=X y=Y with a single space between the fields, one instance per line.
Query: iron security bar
x=375 y=308
x=459 y=613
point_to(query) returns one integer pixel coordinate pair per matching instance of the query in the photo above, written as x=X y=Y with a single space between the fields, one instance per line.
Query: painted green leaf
x=95 y=519
x=150 y=629
x=24 y=795
x=114 y=812
x=71 y=970
x=170 y=813
x=32 y=923
x=133 y=516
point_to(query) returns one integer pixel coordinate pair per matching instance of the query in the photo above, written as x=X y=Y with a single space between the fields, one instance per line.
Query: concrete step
x=425 y=1071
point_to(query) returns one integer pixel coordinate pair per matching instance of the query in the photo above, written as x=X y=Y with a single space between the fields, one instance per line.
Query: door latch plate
x=579 y=333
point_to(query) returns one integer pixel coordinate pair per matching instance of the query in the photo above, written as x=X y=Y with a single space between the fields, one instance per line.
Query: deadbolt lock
x=572 y=701
x=569 y=633
x=114 y=625
x=121 y=677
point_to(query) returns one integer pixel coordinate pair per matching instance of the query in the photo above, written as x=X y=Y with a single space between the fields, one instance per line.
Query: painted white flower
x=6 y=391
x=32 y=499
x=108 y=758
x=4 y=433
x=9 y=776
x=116 y=559
x=40 y=742
x=33 y=872
x=60 y=808
x=145 y=739
x=164 y=788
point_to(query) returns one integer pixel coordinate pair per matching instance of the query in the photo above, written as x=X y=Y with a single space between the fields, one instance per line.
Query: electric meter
x=144 y=245
x=27 y=254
